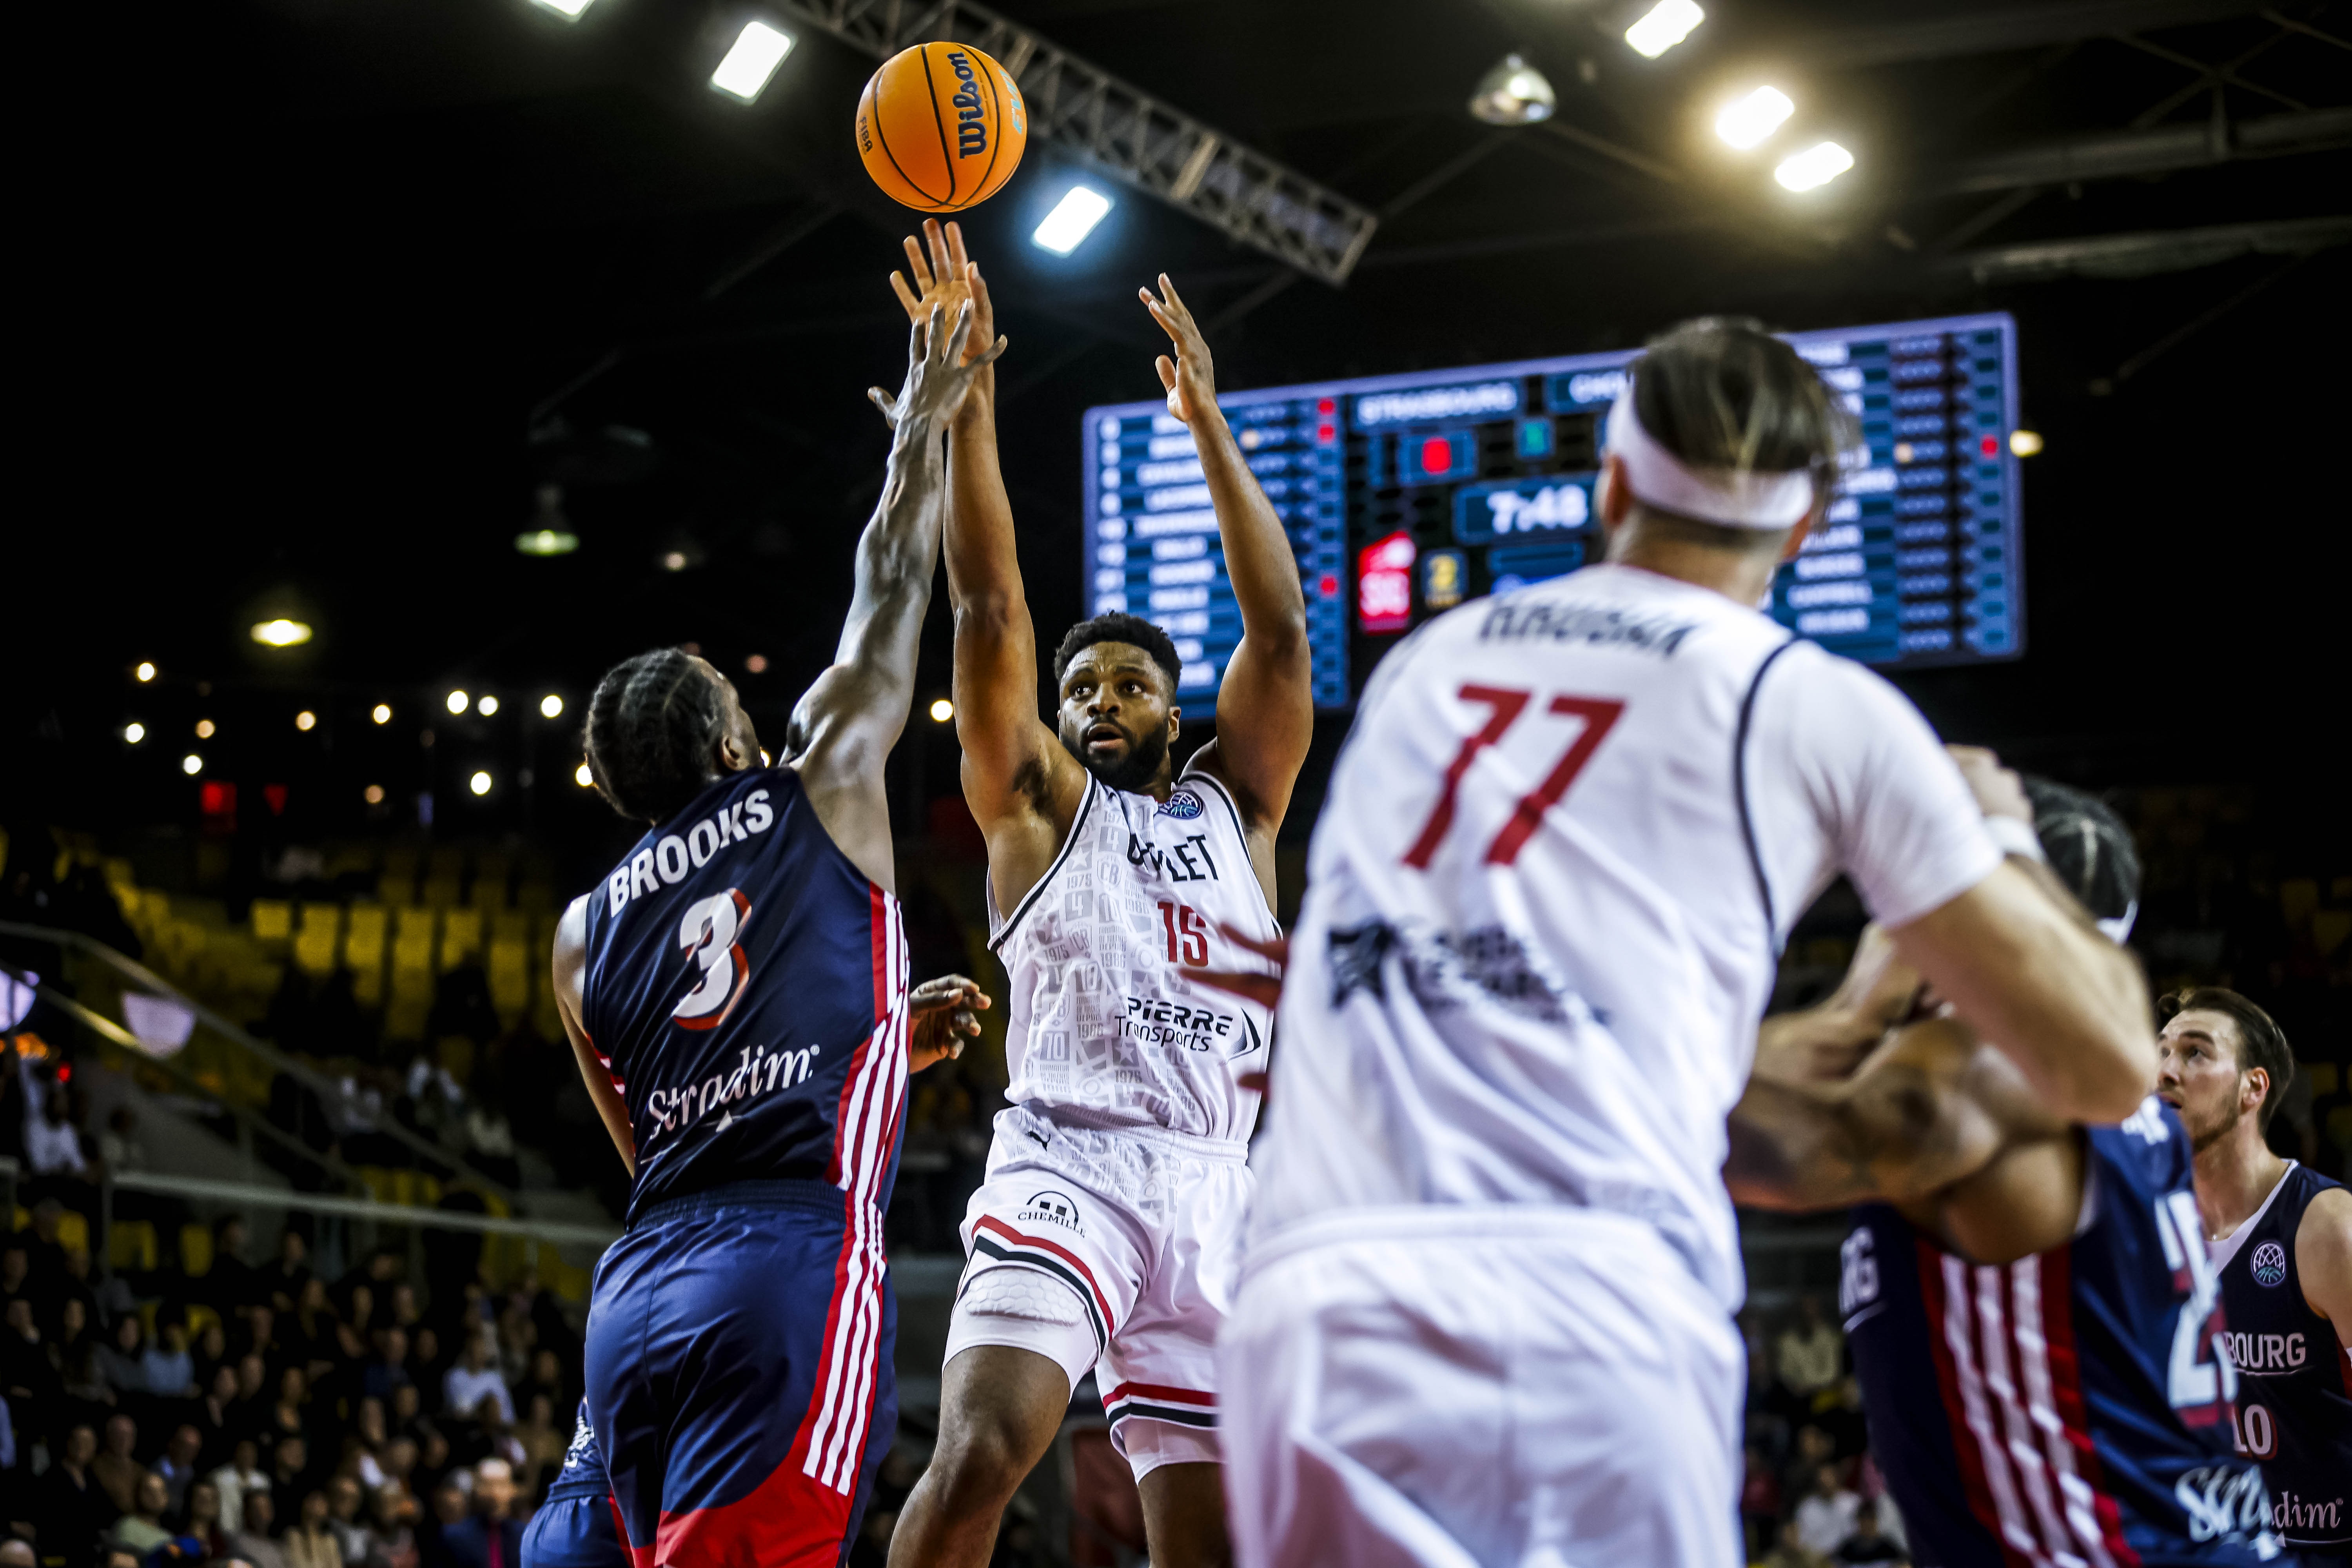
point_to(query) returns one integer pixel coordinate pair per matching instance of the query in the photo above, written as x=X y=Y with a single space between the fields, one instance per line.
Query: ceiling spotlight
x=674 y=561
x=374 y=795
x=191 y=765
x=134 y=731
x=1073 y=218
x=1669 y=23
x=567 y=9
x=480 y=784
x=281 y=633
x=755 y=664
x=1815 y=166
x=551 y=533
x=583 y=777
x=145 y=672
x=1746 y=122
x=942 y=710
x=487 y=706
x=458 y=701
x=380 y=713
x=306 y=721
x=203 y=729
x=1513 y=93
x=759 y=50
x=2025 y=443
x=550 y=706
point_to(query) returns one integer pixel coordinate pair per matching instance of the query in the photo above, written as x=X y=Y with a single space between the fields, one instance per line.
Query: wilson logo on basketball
x=971 y=116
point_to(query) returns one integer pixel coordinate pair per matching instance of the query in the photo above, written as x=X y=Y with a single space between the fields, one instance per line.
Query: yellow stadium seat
x=130 y=1244
x=461 y=938
x=364 y=952
x=273 y=921
x=200 y=1318
x=397 y=891
x=510 y=978
x=195 y=1250
x=438 y=892
x=73 y=1231
x=315 y=944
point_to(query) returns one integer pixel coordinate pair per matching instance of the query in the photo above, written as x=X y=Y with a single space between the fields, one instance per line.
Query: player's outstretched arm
x=847 y=723
x=1023 y=787
x=2323 y=1261
x=2018 y=958
x=571 y=964
x=1266 y=705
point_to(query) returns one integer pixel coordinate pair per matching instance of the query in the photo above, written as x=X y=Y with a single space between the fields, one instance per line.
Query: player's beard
x=2203 y=1135
x=1136 y=771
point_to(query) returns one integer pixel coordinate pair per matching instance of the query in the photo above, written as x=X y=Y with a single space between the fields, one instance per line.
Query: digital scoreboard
x=1406 y=495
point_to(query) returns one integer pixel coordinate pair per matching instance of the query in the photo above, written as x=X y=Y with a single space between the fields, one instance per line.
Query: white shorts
x=1451 y=1386
x=1144 y=1228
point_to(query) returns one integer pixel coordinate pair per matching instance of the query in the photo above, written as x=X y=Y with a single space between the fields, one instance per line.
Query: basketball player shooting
x=1485 y=1316
x=1106 y=1234
x=736 y=992
x=2029 y=1302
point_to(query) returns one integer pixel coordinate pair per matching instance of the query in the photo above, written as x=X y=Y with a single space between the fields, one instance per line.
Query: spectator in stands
x=543 y=1443
x=283 y=1280
x=216 y=1415
x=1825 y=1515
x=141 y=1527
x=289 y=1468
x=487 y=1538
x=289 y=1417
x=209 y=1345
x=72 y=1507
x=75 y=1352
x=251 y=1540
x=116 y=1469
x=1810 y=1355
x=52 y=1143
x=36 y=1394
x=452 y=1507
x=15 y=1266
x=547 y=1381
x=1867 y=1546
x=474 y=1387
x=391 y=1533
x=351 y=1530
x=366 y=1442
x=165 y=1363
x=239 y=1478
x=308 y=1333
x=202 y=1518
x=389 y=1369
x=232 y=1284
x=1759 y=1502
x=1790 y=1552
x=252 y=1399
x=178 y=1466
x=310 y=1542
x=123 y=1359
x=489 y=1139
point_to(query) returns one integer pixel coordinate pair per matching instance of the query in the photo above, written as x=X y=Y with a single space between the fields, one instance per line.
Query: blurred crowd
x=1811 y=1495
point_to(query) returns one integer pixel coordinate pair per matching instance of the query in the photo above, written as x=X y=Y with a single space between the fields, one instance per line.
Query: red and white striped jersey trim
x=866 y=1136
x=2031 y=1470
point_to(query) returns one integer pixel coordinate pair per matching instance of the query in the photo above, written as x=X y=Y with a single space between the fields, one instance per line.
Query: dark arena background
x=387 y=371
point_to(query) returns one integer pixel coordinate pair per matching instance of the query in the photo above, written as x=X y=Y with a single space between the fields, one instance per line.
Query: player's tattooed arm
x=1265 y=706
x=570 y=965
x=843 y=727
x=1017 y=778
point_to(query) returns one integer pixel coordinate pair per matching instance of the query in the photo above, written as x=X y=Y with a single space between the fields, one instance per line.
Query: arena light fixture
x=1814 y=167
x=191 y=765
x=380 y=713
x=144 y=673
x=2025 y=443
x=1513 y=93
x=567 y=9
x=373 y=794
x=759 y=50
x=205 y=728
x=583 y=777
x=942 y=710
x=486 y=705
x=1073 y=218
x=755 y=664
x=550 y=706
x=1663 y=26
x=281 y=633
x=674 y=561
x=547 y=541
x=134 y=733
x=458 y=702
x=480 y=784
x=1747 y=122
x=306 y=721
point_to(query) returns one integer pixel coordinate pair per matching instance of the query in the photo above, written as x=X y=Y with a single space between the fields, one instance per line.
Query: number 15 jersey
x=1547 y=892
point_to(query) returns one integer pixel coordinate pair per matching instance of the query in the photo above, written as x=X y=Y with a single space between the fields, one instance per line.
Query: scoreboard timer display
x=1406 y=495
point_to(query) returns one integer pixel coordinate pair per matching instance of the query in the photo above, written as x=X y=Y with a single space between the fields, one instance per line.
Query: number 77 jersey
x=1546 y=897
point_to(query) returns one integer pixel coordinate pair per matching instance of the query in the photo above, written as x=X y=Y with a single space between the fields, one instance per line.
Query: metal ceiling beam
x=2013 y=28
x=2156 y=151
x=2143 y=255
x=1129 y=134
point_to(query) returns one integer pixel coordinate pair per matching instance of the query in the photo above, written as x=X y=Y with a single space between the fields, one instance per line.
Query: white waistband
x=1074 y=1118
x=1519 y=1222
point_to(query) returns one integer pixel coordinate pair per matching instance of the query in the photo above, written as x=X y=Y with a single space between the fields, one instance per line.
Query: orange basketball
x=941 y=127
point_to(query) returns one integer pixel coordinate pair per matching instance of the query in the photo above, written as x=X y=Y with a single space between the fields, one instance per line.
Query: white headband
x=1735 y=498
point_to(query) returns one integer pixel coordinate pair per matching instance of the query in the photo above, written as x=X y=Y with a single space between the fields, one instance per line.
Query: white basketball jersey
x=1101 y=1023
x=1545 y=896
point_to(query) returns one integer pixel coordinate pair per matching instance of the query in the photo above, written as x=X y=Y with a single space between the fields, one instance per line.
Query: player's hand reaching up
x=1249 y=984
x=947 y=277
x=946 y=1013
x=1190 y=378
x=940 y=369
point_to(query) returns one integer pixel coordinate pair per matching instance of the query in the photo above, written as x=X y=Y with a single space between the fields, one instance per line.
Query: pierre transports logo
x=2269 y=1264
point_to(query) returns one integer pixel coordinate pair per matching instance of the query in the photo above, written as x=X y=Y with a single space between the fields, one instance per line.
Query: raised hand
x=947 y=276
x=1190 y=378
x=945 y=1012
x=940 y=368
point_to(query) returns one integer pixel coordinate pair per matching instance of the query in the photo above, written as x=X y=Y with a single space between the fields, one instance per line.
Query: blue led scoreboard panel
x=1406 y=495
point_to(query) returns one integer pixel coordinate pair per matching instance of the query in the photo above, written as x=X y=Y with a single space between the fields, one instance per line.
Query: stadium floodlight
x=759 y=50
x=134 y=731
x=144 y=673
x=1073 y=218
x=583 y=777
x=306 y=721
x=203 y=729
x=942 y=710
x=1513 y=93
x=1746 y=122
x=2025 y=443
x=380 y=713
x=458 y=701
x=281 y=633
x=547 y=541
x=191 y=765
x=373 y=794
x=567 y=9
x=550 y=706
x=480 y=784
x=1666 y=24
x=487 y=706
x=1815 y=166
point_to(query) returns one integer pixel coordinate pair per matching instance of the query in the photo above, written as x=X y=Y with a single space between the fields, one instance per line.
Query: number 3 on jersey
x=1504 y=705
x=1187 y=933
x=708 y=930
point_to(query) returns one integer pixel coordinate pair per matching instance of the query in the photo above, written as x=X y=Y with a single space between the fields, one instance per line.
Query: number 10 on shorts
x=1187 y=932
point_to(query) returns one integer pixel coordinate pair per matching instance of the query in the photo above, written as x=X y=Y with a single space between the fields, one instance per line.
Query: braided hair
x=650 y=727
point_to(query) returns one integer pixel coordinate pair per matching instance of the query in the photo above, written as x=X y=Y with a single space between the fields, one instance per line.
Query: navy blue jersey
x=2295 y=1385
x=583 y=1474
x=746 y=989
x=2070 y=1407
